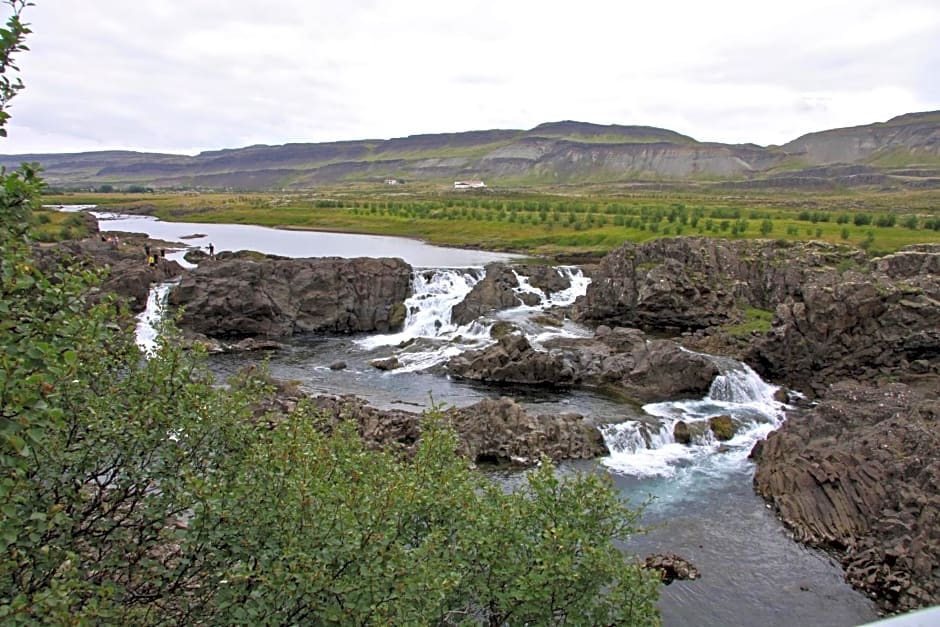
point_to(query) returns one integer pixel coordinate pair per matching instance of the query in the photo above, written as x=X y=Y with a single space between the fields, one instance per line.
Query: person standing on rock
x=211 y=251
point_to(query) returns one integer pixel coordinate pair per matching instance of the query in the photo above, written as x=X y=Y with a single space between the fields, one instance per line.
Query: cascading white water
x=149 y=318
x=644 y=449
x=434 y=338
x=429 y=308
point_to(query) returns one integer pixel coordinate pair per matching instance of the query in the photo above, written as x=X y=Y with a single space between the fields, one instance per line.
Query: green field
x=560 y=221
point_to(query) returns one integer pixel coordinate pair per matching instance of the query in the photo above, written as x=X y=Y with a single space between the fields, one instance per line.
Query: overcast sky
x=185 y=76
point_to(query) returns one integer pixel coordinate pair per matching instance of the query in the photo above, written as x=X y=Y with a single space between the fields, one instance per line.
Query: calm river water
x=703 y=506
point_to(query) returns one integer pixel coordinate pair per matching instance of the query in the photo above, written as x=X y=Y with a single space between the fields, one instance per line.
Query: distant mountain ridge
x=902 y=152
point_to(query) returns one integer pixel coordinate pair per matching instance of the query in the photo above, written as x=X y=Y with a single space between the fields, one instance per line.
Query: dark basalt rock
x=490 y=431
x=281 y=297
x=129 y=273
x=671 y=567
x=495 y=291
x=622 y=360
x=857 y=325
x=498 y=290
x=859 y=475
x=688 y=283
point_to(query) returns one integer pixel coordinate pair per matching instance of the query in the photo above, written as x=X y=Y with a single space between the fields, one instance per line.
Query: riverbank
x=551 y=224
x=709 y=292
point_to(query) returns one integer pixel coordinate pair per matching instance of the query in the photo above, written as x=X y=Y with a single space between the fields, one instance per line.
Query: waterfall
x=738 y=383
x=562 y=298
x=149 y=319
x=429 y=308
x=649 y=449
x=429 y=337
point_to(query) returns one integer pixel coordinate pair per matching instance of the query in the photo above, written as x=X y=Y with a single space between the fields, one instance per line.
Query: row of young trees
x=135 y=490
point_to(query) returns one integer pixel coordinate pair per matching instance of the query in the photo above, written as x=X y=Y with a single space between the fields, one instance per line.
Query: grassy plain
x=559 y=221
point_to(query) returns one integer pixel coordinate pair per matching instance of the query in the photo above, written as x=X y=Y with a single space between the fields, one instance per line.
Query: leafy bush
x=134 y=490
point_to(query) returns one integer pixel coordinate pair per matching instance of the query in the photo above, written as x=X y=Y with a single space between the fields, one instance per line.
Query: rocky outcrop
x=128 y=272
x=860 y=325
x=688 y=283
x=620 y=360
x=722 y=427
x=671 y=567
x=681 y=433
x=490 y=431
x=859 y=474
x=500 y=289
x=494 y=291
x=281 y=297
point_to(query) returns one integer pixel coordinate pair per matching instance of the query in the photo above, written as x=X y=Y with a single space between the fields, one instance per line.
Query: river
x=703 y=506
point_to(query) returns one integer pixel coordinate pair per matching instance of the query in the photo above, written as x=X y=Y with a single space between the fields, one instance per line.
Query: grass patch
x=755 y=319
x=558 y=220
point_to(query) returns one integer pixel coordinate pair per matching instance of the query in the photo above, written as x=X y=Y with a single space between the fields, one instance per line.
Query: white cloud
x=170 y=76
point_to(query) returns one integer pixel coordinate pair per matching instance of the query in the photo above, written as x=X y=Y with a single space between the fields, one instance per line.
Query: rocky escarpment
x=280 y=297
x=490 y=431
x=859 y=474
x=128 y=272
x=621 y=360
x=836 y=314
x=870 y=324
x=685 y=283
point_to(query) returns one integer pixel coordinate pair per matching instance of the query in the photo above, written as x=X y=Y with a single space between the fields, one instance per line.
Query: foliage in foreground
x=133 y=490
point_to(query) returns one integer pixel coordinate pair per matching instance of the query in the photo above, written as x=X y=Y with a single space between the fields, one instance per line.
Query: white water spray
x=149 y=319
x=649 y=449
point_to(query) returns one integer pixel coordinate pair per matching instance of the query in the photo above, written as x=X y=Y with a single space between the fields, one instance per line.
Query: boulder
x=623 y=361
x=681 y=433
x=546 y=278
x=671 y=567
x=338 y=365
x=280 y=297
x=389 y=363
x=722 y=427
x=495 y=291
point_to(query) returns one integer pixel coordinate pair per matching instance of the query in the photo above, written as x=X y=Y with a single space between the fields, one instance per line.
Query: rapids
x=700 y=500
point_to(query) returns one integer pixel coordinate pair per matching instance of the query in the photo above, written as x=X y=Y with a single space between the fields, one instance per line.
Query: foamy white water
x=149 y=319
x=432 y=337
x=641 y=450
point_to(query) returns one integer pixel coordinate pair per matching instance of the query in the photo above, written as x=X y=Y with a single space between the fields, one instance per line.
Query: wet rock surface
x=671 y=567
x=500 y=289
x=240 y=297
x=620 y=360
x=859 y=475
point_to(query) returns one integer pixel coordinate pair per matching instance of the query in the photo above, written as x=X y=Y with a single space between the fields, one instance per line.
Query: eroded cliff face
x=859 y=474
x=684 y=283
x=282 y=297
x=129 y=275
